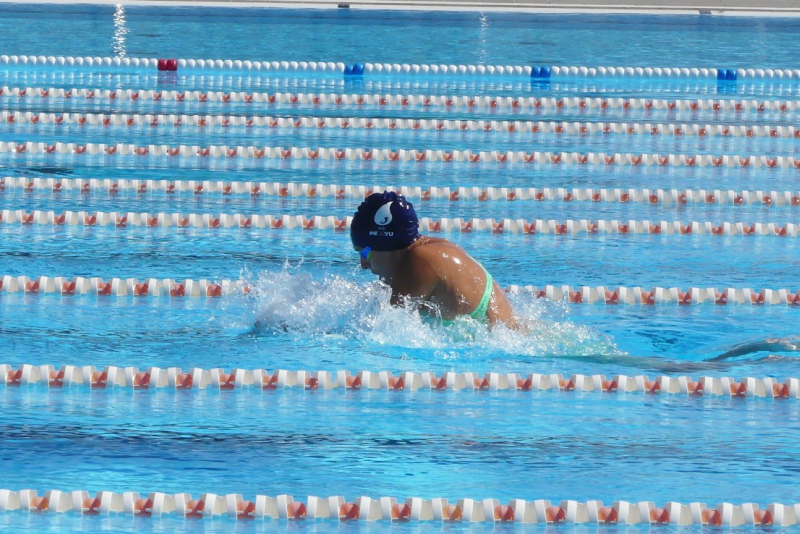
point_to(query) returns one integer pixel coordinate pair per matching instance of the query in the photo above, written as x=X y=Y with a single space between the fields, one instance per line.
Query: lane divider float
x=541 y=72
x=152 y=287
x=123 y=220
x=165 y=64
x=547 y=72
x=196 y=378
x=609 y=160
x=392 y=124
x=608 y=295
x=478 y=102
x=337 y=508
x=173 y=188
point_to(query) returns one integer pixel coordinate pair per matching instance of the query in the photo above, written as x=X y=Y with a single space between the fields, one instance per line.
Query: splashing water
x=297 y=304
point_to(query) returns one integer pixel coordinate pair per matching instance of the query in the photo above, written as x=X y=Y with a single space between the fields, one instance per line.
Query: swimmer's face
x=378 y=262
x=365 y=256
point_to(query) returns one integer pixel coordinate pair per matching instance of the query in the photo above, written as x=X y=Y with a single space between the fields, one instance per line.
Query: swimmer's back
x=452 y=280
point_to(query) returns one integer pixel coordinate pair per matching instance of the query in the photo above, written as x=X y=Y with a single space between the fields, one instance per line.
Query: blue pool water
x=317 y=310
x=395 y=36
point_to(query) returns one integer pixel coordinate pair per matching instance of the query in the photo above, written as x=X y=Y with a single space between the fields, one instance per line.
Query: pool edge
x=769 y=8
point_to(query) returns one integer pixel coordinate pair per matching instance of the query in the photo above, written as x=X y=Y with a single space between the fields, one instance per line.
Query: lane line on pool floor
x=476 y=102
x=605 y=295
x=172 y=188
x=466 y=225
x=395 y=124
x=175 y=378
x=337 y=508
x=38 y=150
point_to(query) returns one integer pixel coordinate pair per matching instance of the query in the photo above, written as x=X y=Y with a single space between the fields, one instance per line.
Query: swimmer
x=440 y=275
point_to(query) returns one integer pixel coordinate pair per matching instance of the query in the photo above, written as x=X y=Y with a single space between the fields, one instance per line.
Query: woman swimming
x=433 y=271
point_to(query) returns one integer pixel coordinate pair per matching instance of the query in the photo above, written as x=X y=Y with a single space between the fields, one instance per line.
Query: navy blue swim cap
x=384 y=221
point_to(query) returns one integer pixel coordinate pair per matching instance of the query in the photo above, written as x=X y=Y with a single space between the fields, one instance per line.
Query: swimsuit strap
x=479 y=313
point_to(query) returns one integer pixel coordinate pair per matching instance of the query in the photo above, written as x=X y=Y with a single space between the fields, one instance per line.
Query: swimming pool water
x=316 y=309
x=395 y=36
x=424 y=443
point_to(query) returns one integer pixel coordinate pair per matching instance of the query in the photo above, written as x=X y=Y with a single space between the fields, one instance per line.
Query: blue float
x=731 y=75
x=358 y=69
x=348 y=70
x=540 y=72
x=728 y=75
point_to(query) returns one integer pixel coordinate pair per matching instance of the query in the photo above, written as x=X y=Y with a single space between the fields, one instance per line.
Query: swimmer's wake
x=750 y=349
x=294 y=303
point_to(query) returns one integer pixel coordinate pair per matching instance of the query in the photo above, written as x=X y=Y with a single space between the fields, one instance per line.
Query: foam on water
x=296 y=303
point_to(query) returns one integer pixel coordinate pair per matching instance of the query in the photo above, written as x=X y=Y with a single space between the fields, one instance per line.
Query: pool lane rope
x=172 y=189
x=605 y=295
x=147 y=287
x=175 y=378
x=455 y=102
x=523 y=227
x=31 y=149
x=531 y=128
x=337 y=508
x=534 y=73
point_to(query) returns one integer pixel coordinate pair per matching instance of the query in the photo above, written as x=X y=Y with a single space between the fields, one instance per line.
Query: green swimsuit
x=479 y=313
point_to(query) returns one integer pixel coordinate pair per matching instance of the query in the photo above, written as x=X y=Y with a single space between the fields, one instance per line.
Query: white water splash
x=294 y=302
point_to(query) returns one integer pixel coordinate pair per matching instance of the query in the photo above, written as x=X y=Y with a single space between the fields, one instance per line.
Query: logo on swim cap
x=383 y=216
x=384 y=221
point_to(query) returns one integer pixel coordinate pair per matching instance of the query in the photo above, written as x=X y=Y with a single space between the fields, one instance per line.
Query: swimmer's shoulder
x=435 y=255
x=437 y=249
x=424 y=258
x=434 y=246
x=428 y=241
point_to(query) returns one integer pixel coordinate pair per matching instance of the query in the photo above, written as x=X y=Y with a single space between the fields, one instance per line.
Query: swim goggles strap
x=365 y=253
